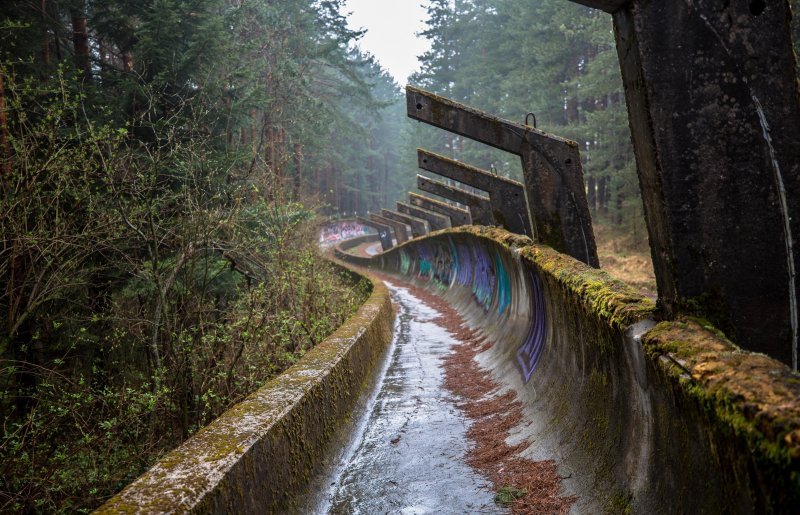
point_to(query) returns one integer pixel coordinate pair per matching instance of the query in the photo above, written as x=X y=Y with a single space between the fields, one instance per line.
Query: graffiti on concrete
x=464 y=273
x=484 y=280
x=530 y=352
x=343 y=230
x=503 y=284
x=424 y=261
x=437 y=264
x=444 y=265
x=474 y=267
x=405 y=262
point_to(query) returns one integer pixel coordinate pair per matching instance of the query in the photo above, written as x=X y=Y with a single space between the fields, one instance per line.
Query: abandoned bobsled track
x=640 y=416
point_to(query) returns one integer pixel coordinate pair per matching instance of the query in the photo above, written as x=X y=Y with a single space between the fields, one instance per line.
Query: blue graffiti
x=424 y=258
x=464 y=271
x=405 y=262
x=437 y=264
x=484 y=280
x=503 y=284
x=531 y=350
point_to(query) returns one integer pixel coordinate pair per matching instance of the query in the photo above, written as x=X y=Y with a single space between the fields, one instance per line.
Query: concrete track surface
x=407 y=454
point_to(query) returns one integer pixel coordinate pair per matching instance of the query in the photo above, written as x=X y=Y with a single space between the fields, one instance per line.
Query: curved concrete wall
x=259 y=456
x=340 y=250
x=642 y=417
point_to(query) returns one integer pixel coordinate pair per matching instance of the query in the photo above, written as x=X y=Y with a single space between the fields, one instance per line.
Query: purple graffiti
x=464 y=275
x=530 y=352
x=436 y=263
x=425 y=261
x=484 y=280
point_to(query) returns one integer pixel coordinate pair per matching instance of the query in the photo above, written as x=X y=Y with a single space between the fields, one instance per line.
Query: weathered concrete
x=257 y=456
x=667 y=418
x=715 y=118
x=480 y=208
x=551 y=166
x=384 y=231
x=436 y=221
x=509 y=205
x=343 y=250
x=458 y=216
x=419 y=227
x=408 y=454
x=401 y=230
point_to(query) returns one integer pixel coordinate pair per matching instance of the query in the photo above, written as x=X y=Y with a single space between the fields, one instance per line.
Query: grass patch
x=509 y=494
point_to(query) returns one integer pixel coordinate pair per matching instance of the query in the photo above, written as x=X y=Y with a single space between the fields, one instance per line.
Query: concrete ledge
x=257 y=456
x=642 y=417
x=341 y=250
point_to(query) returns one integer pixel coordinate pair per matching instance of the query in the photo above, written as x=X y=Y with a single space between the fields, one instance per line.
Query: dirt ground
x=625 y=257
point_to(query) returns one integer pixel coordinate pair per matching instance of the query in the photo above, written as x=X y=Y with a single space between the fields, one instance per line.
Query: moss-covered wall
x=260 y=454
x=643 y=417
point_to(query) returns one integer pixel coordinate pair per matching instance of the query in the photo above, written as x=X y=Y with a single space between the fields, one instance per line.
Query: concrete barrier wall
x=259 y=456
x=642 y=417
x=340 y=250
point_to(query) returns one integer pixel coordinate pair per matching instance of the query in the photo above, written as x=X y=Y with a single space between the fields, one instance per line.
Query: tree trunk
x=80 y=40
x=385 y=188
x=297 y=154
x=592 y=193
x=371 y=182
x=602 y=198
x=618 y=211
x=127 y=61
x=571 y=106
x=6 y=162
x=46 y=36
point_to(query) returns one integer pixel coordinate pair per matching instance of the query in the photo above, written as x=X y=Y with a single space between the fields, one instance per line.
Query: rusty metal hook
x=534 y=119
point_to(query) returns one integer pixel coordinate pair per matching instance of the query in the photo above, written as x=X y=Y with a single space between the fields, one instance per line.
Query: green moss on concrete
x=619 y=504
x=612 y=300
x=747 y=394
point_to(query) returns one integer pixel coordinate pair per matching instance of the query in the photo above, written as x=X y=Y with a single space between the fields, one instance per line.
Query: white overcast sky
x=391 y=32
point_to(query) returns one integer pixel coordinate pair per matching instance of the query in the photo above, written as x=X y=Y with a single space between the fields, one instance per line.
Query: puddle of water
x=409 y=454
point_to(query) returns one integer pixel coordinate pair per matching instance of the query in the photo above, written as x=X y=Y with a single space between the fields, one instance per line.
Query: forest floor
x=626 y=256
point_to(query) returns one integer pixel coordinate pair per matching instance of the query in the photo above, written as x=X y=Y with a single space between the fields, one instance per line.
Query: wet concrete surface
x=368 y=249
x=408 y=453
x=374 y=249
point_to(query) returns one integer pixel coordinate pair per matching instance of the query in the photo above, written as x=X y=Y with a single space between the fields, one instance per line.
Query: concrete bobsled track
x=641 y=417
x=344 y=250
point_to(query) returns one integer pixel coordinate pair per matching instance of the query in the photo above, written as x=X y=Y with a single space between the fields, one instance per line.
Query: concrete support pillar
x=401 y=231
x=715 y=119
x=458 y=216
x=509 y=205
x=436 y=221
x=384 y=232
x=419 y=227
x=551 y=166
x=480 y=208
